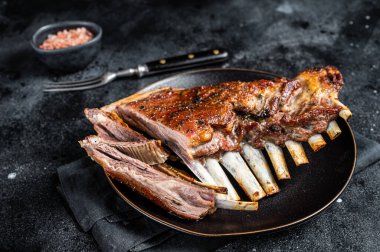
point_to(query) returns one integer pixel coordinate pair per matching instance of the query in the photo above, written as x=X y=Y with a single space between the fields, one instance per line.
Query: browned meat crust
x=204 y=120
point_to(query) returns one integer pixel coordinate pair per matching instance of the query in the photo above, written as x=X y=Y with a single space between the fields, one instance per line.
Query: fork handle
x=190 y=60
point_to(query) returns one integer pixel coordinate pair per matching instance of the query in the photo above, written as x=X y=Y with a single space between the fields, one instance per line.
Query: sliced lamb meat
x=110 y=126
x=177 y=142
x=149 y=151
x=179 y=197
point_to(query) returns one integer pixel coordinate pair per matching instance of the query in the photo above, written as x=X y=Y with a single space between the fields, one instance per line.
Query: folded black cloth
x=118 y=227
x=368 y=152
x=114 y=224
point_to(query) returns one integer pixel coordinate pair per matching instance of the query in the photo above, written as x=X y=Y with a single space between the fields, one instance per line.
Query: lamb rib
x=177 y=196
x=149 y=151
x=110 y=126
x=205 y=120
x=113 y=132
x=210 y=120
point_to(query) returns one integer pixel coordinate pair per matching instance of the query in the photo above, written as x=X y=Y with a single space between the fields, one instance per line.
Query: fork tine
x=73 y=84
x=77 y=81
x=76 y=88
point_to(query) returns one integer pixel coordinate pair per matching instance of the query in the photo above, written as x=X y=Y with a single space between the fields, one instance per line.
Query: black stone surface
x=39 y=132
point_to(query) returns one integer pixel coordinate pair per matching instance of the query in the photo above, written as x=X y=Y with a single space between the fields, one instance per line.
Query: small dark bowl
x=70 y=58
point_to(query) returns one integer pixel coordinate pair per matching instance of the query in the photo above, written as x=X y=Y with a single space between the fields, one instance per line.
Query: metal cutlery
x=190 y=60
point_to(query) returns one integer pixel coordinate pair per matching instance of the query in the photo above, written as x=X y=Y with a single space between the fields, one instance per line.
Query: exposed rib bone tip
x=236 y=165
x=260 y=168
x=216 y=171
x=316 y=142
x=277 y=158
x=333 y=130
x=237 y=205
x=297 y=152
x=201 y=173
x=345 y=114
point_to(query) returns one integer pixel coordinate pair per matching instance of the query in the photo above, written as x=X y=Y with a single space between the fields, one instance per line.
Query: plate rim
x=265 y=230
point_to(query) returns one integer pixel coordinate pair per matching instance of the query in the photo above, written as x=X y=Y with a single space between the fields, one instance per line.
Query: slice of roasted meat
x=177 y=196
x=110 y=126
x=148 y=151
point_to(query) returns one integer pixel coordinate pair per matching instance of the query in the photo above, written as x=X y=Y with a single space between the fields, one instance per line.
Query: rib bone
x=217 y=173
x=236 y=165
x=316 y=142
x=276 y=155
x=260 y=168
x=333 y=130
x=297 y=152
x=345 y=113
x=237 y=205
x=200 y=172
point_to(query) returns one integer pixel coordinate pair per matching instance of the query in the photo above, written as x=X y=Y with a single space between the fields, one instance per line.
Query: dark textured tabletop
x=39 y=131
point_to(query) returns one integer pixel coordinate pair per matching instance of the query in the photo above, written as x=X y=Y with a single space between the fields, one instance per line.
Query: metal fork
x=189 y=60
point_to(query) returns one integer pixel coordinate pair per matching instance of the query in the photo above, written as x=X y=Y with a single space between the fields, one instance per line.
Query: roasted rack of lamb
x=210 y=127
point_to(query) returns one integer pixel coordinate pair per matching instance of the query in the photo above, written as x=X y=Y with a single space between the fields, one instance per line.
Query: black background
x=39 y=131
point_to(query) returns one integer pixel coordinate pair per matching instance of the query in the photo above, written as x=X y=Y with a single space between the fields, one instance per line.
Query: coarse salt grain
x=12 y=175
x=67 y=38
x=339 y=200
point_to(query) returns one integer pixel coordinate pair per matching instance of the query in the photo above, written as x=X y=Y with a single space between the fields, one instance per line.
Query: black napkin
x=368 y=152
x=114 y=224
x=117 y=227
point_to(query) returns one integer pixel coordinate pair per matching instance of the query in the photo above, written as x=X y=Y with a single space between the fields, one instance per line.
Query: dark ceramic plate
x=311 y=190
